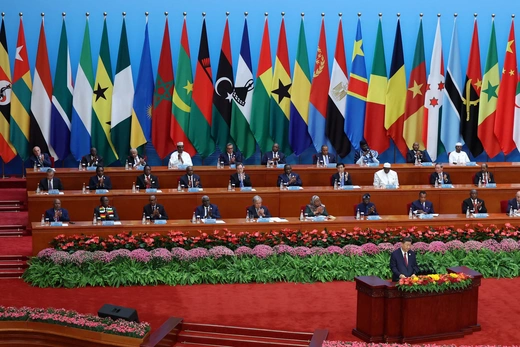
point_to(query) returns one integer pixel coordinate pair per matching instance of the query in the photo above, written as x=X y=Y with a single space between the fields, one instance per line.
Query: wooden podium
x=386 y=314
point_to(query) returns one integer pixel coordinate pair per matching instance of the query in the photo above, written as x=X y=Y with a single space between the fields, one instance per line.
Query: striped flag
x=280 y=95
x=299 y=137
x=140 y=131
x=375 y=132
x=396 y=94
x=488 y=99
x=40 y=133
x=505 y=116
x=7 y=150
x=242 y=100
x=162 y=99
x=61 y=111
x=260 y=117
x=433 y=98
x=200 y=116
x=182 y=93
x=357 y=92
x=102 y=102
x=414 y=112
x=319 y=94
x=122 y=99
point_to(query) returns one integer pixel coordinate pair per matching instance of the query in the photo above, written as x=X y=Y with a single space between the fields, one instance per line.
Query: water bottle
x=179 y=188
x=229 y=186
x=79 y=166
x=467 y=213
x=281 y=184
x=436 y=183
x=42 y=222
x=143 y=221
x=511 y=212
x=357 y=214
x=83 y=190
x=193 y=219
x=94 y=220
x=301 y=215
x=133 y=187
x=317 y=163
x=218 y=164
x=35 y=168
x=38 y=190
x=126 y=164
x=410 y=214
x=335 y=184
x=247 y=216
x=417 y=161
x=479 y=183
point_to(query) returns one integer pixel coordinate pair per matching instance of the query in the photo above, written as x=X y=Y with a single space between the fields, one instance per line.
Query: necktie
x=405 y=259
x=180 y=158
x=148 y=182
x=136 y=161
x=207 y=212
x=50 y=184
x=326 y=159
x=342 y=179
x=230 y=158
x=424 y=206
x=241 y=181
x=475 y=205
x=190 y=182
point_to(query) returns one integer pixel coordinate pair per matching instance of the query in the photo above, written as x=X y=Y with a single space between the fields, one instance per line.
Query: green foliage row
x=248 y=269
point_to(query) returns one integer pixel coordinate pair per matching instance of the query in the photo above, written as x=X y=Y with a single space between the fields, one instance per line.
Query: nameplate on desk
x=210 y=221
x=194 y=190
x=426 y=216
x=232 y=166
x=56 y=224
x=372 y=164
x=182 y=167
x=471 y=163
x=374 y=217
x=91 y=168
x=54 y=191
x=139 y=167
x=246 y=189
x=101 y=191
x=331 y=165
x=151 y=190
x=280 y=166
x=427 y=164
x=319 y=218
x=159 y=221
x=45 y=168
x=263 y=220
x=294 y=188
x=347 y=187
x=480 y=215
x=489 y=185
x=448 y=185
x=107 y=223
x=391 y=186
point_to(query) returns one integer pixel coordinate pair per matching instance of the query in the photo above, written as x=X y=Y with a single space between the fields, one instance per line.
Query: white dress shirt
x=186 y=159
x=381 y=178
x=456 y=158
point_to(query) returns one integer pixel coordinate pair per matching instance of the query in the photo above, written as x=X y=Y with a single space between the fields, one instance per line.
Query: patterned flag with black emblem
x=7 y=150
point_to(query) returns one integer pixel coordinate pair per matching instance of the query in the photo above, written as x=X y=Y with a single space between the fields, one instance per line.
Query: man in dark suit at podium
x=147 y=180
x=473 y=203
x=288 y=178
x=257 y=210
x=422 y=206
x=100 y=181
x=92 y=159
x=403 y=262
x=240 y=178
x=324 y=157
x=154 y=210
x=190 y=180
x=50 y=182
x=230 y=156
x=275 y=156
x=57 y=214
x=440 y=176
x=207 y=209
x=40 y=159
x=484 y=176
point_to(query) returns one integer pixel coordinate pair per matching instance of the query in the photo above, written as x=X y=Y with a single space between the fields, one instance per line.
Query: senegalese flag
x=102 y=103
x=140 y=132
x=280 y=95
x=21 y=98
x=7 y=150
x=260 y=117
x=122 y=98
x=242 y=100
x=299 y=137
x=396 y=94
x=182 y=93
x=201 y=108
x=61 y=112
x=414 y=112
x=488 y=99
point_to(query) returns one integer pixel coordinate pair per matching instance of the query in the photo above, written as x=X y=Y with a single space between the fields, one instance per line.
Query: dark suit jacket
x=131 y=160
x=148 y=211
x=252 y=212
x=185 y=181
x=416 y=205
x=234 y=180
x=142 y=184
x=319 y=156
x=478 y=177
x=93 y=183
x=64 y=215
x=283 y=178
x=433 y=177
x=56 y=184
x=86 y=160
x=223 y=157
x=512 y=204
x=269 y=156
x=410 y=156
x=46 y=161
x=199 y=211
x=364 y=208
x=116 y=216
x=469 y=204
x=335 y=177
x=399 y=268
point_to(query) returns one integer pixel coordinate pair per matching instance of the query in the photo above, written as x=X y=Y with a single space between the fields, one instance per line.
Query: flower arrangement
x=289 y=237
x=74 y=319
x=434 y=283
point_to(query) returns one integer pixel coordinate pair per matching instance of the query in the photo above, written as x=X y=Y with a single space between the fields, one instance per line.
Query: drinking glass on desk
x=83 y=166
x=515 y=213
x=321 y=163
x=137 y=189
x=362 y=216
x=233 y=187
x=147 y=219
x=47 y=221
x=305 y=216
x=198 y=220
x=285 y=185
x=87 y=190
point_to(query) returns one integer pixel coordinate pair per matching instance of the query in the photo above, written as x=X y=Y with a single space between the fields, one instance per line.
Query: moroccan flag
x=357 y=92
x=21 y=98
x=396 y=94
x=414 y=113
x=261 y=94
x=280 y=95
x=162 y=99
x=452 y=99
x=221 y=114
x=61 y=112
x=242 y=100
x=375 y=132
x=200 y=117
x=182 y=95
x=433 y=98
x=40 y=133
x=82 y=101
x=143 y=98
x=299 y=137
x=7 y=150
x=102 y=102
x=505 y=116
x=122 y=99
x=488 y=100
x=319 y=95
x=471 y=97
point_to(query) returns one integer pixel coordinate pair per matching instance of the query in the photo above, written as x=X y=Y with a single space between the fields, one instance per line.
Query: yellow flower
x=434 y=277
x=454 y=275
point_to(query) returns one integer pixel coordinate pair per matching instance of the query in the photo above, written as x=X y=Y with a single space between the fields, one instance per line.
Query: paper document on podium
x=218 y=221
x=117 y=223
x=278 y=219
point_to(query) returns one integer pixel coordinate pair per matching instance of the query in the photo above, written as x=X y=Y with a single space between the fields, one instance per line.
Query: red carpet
x=285 y=306
x=16 y=245
x=15 y=218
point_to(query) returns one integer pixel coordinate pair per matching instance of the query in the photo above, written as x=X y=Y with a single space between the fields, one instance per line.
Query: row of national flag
x=314 y=107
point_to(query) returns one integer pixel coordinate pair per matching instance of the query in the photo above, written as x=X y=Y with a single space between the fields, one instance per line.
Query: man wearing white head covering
x=179 y=157
x=458 y=156
x=385 y=177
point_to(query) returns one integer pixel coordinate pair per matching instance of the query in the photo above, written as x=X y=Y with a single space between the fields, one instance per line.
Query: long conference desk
x=211 y=177
x=43 y=235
